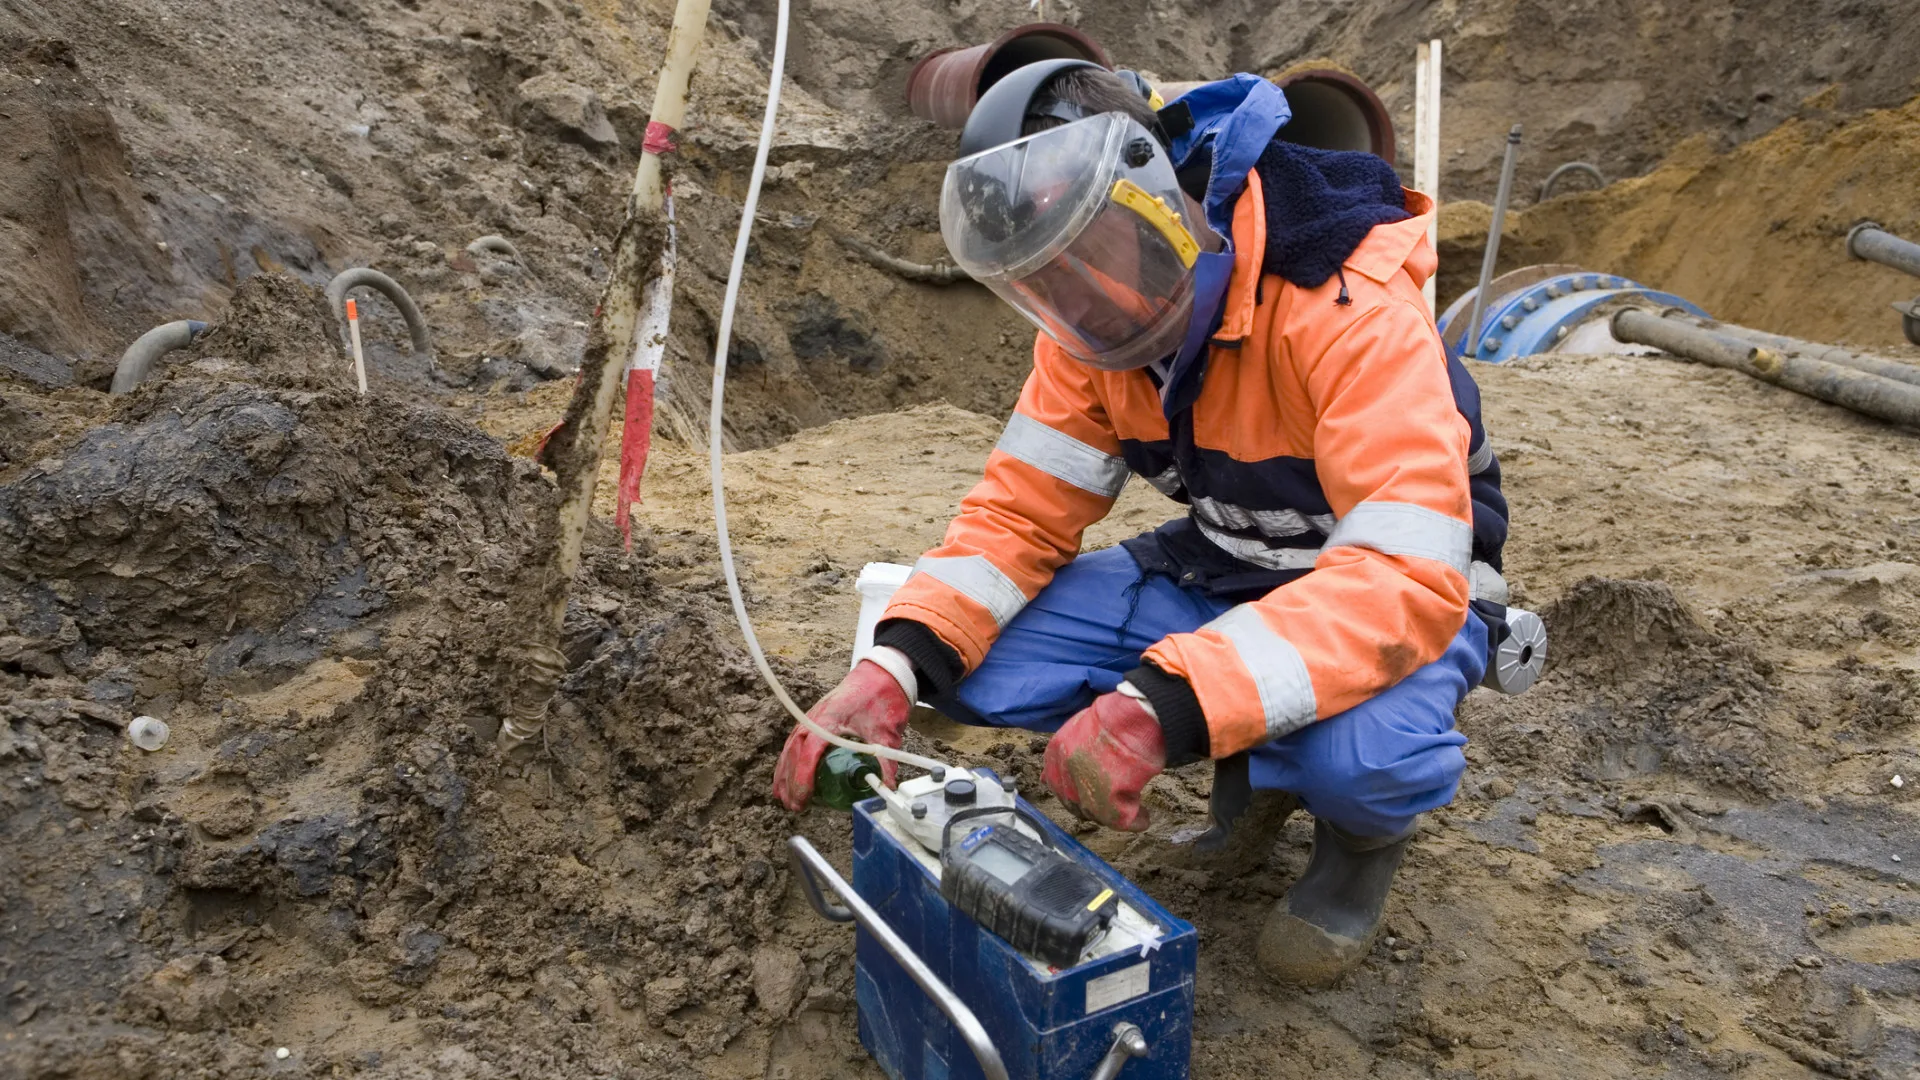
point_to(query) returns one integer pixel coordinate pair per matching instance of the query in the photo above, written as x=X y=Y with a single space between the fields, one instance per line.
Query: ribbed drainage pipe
x=1869 y=395
x=138 y=360
x=359 y=276
x=496 y=244
x=1553 y=178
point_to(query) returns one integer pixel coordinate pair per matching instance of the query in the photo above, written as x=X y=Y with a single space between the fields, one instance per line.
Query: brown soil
x=1674 y=857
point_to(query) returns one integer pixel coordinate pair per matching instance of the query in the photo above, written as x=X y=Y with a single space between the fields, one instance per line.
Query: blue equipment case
x=1054 y=1026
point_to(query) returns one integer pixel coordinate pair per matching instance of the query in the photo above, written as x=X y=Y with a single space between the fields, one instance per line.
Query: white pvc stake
x=353 y=332
x=1426 y=147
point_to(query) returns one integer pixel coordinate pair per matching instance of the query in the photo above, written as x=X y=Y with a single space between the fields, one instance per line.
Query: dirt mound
x=224 y=495
x=1756 y=236
x=310 y=588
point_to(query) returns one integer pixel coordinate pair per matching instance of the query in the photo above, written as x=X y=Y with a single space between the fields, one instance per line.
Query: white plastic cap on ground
x=148 y=732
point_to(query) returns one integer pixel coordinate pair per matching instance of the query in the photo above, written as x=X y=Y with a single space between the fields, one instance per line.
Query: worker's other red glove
x=868 y=705
x=1100 y=761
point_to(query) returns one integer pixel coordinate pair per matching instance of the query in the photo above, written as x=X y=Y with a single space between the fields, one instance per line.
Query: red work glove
x=1101 y=760
x=868 y=705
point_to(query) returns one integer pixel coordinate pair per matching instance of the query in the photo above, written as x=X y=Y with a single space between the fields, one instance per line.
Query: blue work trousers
x=1368 y=770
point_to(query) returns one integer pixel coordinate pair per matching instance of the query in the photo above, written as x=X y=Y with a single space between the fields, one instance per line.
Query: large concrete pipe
x=1864 y=393
x=943 y=86
x=138 y=360
x=1871 y=242
x=1332 y=110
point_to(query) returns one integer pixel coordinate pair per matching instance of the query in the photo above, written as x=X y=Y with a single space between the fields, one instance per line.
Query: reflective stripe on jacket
x=1325 y=436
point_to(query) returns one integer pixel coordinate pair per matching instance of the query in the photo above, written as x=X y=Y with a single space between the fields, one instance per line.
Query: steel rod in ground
x=1813 y=350
x=1864 y=393
x=1871 y=242
x=1470 y=345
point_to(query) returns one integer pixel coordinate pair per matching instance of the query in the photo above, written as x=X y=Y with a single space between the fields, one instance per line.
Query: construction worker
x=1237 y=320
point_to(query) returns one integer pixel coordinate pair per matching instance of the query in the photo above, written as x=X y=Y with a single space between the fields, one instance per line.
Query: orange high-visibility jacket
x=1356 y=392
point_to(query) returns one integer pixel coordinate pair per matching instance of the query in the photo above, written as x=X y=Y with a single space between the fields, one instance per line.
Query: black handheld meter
x=1042 y=902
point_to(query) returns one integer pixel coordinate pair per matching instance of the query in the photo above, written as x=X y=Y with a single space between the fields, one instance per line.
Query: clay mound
x=1636 y=687
x=1606 y=627
x=315 y=589
x=224 y=495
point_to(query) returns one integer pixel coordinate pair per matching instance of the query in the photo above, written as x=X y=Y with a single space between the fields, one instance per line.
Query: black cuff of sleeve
x=1182 y=725
x=935 y=663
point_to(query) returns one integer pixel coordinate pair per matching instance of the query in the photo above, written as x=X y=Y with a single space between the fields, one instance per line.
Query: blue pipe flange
x=1536 y=318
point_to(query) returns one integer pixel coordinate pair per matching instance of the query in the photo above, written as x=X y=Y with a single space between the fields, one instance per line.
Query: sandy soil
x=1676 y=856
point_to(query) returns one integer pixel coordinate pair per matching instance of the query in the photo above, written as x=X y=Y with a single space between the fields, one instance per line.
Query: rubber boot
x=1246 y=822
x=1326 y=923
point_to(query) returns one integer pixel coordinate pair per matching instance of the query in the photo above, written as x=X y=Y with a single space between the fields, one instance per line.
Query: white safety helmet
x=1080 y=228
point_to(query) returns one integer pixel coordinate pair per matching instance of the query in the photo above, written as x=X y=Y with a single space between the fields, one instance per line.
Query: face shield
x=1080 y=228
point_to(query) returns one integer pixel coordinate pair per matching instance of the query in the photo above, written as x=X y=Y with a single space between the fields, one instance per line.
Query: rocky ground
x=1676 y=856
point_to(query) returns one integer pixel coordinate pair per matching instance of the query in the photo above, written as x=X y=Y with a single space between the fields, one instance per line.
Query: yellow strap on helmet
x=1159 y=215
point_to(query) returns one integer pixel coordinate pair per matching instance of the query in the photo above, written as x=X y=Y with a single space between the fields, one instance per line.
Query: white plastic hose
x=714 y=422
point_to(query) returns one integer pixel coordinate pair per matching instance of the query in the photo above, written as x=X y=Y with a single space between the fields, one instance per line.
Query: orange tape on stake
x=353 y=310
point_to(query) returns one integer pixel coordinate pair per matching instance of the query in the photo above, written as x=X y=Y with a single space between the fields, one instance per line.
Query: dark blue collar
x=1233 y=121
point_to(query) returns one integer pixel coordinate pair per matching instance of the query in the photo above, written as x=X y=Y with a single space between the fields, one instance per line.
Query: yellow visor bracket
x=1157 y=214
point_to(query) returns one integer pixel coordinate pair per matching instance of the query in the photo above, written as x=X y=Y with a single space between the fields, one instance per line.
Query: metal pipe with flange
x=1472 y=341
x=139 y=358
x=1864 y=393
x=814 y=870
x=1869 y=241
x=1813 y=350
x=364 y=276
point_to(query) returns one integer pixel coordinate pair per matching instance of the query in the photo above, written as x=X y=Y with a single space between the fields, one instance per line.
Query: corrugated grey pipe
x=1553 y=178
x=497 y=244
x=347 y=280
x=138 y=360
x=1869 y=395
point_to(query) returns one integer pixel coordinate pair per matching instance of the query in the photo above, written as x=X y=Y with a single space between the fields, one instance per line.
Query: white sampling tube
x=720 y=347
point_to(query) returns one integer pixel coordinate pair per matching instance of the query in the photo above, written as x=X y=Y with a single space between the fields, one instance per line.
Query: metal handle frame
x=1129 y=1042
x=813 y=869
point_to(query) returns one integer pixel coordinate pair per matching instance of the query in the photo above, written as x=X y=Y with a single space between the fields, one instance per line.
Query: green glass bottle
x=841 y=779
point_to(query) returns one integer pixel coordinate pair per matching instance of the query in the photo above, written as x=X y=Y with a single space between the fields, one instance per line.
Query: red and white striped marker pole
x=353 y=333
x=643 y=369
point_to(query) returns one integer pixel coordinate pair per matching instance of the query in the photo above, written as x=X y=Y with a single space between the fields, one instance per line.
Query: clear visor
x=1081 y=229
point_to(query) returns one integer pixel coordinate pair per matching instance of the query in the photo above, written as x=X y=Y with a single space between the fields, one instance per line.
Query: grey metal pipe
x=1864 y=393
x=494 y=243
x=1813 y=350
x=138 y=360
x=347 y=280
x=812 y=868
x=1553 y=178
x=1470 y=345
x=1869 y=241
